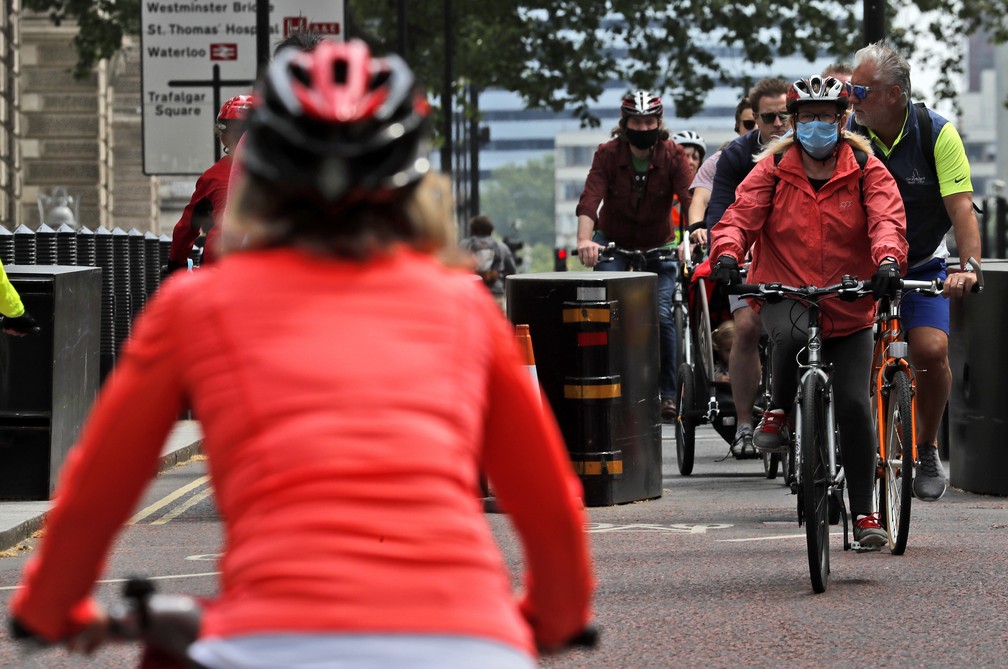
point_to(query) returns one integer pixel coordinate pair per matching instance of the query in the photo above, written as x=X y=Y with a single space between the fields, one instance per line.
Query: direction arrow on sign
x=197 y=54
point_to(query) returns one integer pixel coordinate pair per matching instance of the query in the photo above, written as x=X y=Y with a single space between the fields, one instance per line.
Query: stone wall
x=82 y=134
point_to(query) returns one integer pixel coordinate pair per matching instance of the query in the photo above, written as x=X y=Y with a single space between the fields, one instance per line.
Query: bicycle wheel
x=705 y=348
x=896 y=492
x=771 y=463
x=685 y=433
x=681 y=321
x=815 y=478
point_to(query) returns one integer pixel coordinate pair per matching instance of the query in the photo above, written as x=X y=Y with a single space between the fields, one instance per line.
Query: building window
x=576 y=156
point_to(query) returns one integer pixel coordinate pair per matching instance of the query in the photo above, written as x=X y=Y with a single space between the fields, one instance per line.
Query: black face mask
x=642 y=139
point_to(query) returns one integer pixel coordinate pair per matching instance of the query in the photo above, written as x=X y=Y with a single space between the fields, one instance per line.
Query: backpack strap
x=926 y=135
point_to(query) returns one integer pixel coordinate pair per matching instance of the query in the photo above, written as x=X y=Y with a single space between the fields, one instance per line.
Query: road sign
x=197 y=54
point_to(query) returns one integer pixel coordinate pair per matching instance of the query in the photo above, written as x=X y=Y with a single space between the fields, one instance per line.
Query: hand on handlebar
x=886 y=281
x=85 y=640
x=960 y=282
x=588 y=252
x=726 y=271
x=699 y=236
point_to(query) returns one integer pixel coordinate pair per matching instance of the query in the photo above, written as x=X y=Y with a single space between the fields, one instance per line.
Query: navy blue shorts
x=917 y=310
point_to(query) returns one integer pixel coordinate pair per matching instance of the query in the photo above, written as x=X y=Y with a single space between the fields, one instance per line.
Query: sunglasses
x=749 y=123
x=769 y=117
x=861 y=92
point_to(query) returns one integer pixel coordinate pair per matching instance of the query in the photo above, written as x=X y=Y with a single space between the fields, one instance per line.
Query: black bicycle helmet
x=339 y=124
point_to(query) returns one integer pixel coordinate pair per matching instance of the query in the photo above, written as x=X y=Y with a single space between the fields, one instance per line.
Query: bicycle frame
x=890 y=355
x=818 y=478
x=816 y=366
x=894 y=396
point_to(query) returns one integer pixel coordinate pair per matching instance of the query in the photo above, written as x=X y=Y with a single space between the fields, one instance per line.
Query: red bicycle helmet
x=641 y=103
x=818 y=89
x=237 y=108
x=338 y=123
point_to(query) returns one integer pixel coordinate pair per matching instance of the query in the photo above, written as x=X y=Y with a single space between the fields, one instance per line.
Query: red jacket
x=208 y=199
x=610 y=183
x=805 y=237
x=347 y=409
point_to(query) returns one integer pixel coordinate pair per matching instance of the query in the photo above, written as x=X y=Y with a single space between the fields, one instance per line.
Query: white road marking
x=774 y=538
x=167 y=577
x=678 y=528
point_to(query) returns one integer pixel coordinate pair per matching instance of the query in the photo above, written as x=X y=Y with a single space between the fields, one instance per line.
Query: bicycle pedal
x=858 y=548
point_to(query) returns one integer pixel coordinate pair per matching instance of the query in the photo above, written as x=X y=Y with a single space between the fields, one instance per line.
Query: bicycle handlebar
x=848 y=286
x=861 y=288
x=171 y=622
x=658 y=253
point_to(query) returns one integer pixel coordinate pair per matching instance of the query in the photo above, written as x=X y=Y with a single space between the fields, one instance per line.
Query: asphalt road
x=713 y=573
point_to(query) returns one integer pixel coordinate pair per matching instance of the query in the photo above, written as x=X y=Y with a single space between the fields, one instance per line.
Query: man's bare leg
x=929 y=354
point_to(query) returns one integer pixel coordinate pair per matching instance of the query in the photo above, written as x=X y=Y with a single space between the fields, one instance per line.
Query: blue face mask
x=817 y=138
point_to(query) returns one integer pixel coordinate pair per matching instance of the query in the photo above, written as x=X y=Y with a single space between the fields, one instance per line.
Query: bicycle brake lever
x=979 y=285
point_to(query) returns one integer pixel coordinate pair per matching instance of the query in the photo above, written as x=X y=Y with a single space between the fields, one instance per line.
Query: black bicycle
x=817 y=472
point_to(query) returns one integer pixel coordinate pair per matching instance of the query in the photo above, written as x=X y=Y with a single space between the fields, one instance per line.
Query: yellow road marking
x=182 y=508
x=167 y=499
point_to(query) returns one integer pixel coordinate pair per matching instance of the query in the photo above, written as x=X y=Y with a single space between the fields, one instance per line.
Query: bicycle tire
x=815 y=477
x=895 y=494
x=705 y=345
x=685 y=425
x=771 y=463
x=681 y=323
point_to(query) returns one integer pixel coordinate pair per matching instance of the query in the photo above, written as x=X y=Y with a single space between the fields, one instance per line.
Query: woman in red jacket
x=206 y=206
x=815 y=215
x=350 y=388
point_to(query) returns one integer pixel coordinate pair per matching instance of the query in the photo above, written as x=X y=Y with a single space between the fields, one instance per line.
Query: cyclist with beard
x=628 y=199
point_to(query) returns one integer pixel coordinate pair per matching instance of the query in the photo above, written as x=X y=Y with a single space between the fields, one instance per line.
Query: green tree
x=524 y=193
x=554 y=54
x=103 y=23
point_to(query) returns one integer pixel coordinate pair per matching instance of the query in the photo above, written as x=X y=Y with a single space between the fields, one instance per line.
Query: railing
x=130 y=262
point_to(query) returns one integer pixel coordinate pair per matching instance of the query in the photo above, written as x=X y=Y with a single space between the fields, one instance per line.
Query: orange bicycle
x=894 y=412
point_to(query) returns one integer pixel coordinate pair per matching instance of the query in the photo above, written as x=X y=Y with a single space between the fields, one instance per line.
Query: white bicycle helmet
x=641 y=103
x=818 y=89
x=691 y=138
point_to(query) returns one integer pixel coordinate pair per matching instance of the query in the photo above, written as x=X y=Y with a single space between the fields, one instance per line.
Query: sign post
x=196 y=54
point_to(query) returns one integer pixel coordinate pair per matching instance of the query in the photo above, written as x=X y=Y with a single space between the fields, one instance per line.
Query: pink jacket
x=804 y=237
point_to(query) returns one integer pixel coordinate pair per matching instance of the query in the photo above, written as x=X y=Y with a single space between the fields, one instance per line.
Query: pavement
x=20 y=519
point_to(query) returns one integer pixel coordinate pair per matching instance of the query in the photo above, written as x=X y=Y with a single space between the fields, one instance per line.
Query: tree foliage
x=522 y=193
x=559 y=54
x=103 y=23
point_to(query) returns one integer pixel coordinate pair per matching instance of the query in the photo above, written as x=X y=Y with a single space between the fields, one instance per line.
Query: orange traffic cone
x=525 y=346
x=524 y=340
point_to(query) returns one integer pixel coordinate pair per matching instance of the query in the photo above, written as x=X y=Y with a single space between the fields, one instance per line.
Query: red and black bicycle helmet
x=235 y=109
x=641 y=103
x=338 y=123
